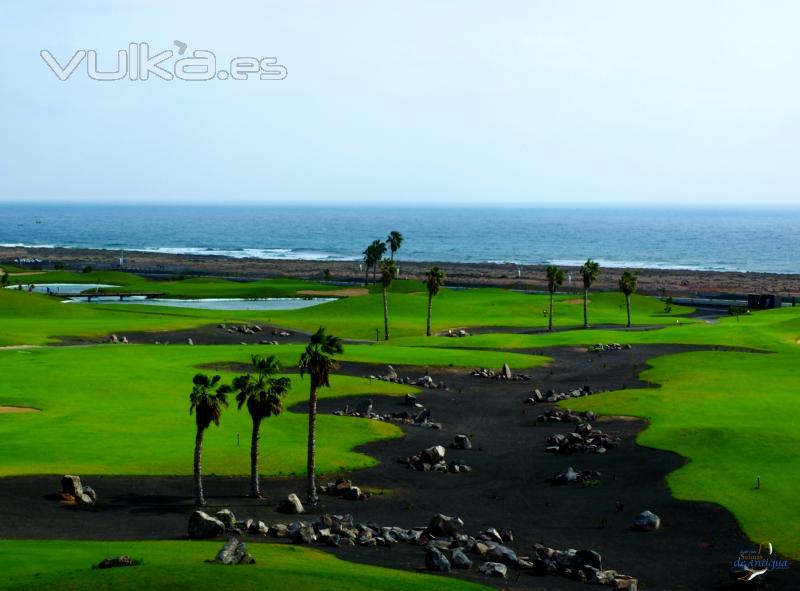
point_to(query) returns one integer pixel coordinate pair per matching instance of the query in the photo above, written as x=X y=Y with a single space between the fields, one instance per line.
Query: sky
x=529 y=102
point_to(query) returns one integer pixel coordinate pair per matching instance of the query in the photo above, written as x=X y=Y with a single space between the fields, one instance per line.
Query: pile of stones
x=116 y=340
x=582 y=565
x=117 y=562
x=505 y=373
x=646 y=521
x=432 y=460
x=241 y=329
x=572 y=476
x=584 y=439
x=551 y=396
x=425 y=381
x=457 y=333
x=601 y=347
x=343 y=488
x=554 y=415
x=419 y=418
x=73 y=492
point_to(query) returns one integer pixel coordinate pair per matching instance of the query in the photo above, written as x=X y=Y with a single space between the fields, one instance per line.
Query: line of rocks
x=551 y=396
x=554 y=415
x=446 y=546
x=601 y=347
x=505 y=373
x=392 y=376
x=419 y=418
x=456 y=333
x=343 y=488
x=584 y=439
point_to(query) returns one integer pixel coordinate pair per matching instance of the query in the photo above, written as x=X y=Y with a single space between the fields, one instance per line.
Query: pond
x=211 y=303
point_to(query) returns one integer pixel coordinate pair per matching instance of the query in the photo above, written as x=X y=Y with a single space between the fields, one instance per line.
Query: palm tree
x=263 y=392
x=317 y=361
x=388 y=274
x=372 y=256
x=394 y=241
x=590 y=271
x=555 y=277
x=206 y=405
x=368 y=262
x=627 y=285
x=434 y=280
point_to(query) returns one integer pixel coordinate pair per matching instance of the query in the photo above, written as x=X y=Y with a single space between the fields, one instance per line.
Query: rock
x=625 y=582
x=462 y=442
x=113 y=339
x=258 y=527
x=647 y=521
x=433 y=455
x=391 y=374
x=505 y=373
x=202 y=525
x=364 y=407
x=71 y=485
x=89 y=492
x=588 y=557
x=436 y=561
x=302 y=533
x=227 y=517
x=501 y=553
x=116 y=562
x=494 y=569
x=444 y=525
x=189 y=341
x=234 y=552
x=543 y=567
x=85 y=499
x=279 y=530
x=410 y=400
x=460 y=560
x=292 y=505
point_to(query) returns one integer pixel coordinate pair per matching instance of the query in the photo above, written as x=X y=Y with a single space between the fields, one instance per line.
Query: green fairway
x=123 y=394
x=183 y=565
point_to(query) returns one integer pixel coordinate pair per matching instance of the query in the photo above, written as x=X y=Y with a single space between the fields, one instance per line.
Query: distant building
x=763 y=301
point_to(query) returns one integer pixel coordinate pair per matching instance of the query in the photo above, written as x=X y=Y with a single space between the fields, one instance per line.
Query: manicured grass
x=66 y=565
x=97 y=400
x=359 y=317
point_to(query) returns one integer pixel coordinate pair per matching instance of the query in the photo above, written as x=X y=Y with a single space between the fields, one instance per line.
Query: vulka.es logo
x=137 y=63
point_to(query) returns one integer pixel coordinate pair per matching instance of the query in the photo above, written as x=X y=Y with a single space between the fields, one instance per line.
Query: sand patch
x=10 y=410
x=575 y=301
x=336 y=293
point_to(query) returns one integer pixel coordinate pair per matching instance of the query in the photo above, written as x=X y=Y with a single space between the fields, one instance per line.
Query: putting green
x=66 y=565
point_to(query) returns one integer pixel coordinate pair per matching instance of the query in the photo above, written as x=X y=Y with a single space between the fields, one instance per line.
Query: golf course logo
x=753 y=563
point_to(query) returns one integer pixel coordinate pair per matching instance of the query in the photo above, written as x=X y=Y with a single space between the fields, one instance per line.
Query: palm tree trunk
x=628 y=306
x=311 y=496
x=585 y=307
x=366 y=275
x=374 y=272
x=430 y=309
x=550 y=319
x=255 y=489
x=200 y=500
x=385 y=314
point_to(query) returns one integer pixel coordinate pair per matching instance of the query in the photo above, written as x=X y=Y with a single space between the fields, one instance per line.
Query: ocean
x=765 y=240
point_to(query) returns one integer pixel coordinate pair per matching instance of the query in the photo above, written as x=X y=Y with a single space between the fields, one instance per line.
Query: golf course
x=717 y=393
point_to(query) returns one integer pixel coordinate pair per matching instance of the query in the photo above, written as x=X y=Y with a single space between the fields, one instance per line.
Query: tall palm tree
x=627 y=284
x=590 y=271
x=555 y=278
x=394 y=241
x=368 y=255
x=262 y=392
x=434 y=280
x=317 y=361
x=388 y=274
x=206 y=404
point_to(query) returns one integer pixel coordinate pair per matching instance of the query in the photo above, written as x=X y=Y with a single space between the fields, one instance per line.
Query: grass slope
x=97 y=400
x=182 y=565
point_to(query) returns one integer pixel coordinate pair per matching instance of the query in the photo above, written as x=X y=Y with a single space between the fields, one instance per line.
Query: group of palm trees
x=262 y=391
x=589 y=271
x=374 y=254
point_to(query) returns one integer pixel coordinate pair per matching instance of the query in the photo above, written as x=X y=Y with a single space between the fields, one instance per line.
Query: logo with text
x=139 y=63
x=754 y=563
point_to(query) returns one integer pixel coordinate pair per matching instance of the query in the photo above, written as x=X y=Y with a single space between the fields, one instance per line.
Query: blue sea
x=765 y=240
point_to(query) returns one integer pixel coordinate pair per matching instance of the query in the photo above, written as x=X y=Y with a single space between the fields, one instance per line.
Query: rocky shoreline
x=651 y=281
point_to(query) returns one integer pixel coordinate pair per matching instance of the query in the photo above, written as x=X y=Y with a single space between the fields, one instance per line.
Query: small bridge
x=107 y=294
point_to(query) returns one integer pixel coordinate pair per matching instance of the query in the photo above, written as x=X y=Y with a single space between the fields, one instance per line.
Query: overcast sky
x=536 y=102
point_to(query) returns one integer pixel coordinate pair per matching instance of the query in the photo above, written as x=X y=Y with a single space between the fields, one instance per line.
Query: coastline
x=676 y=282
